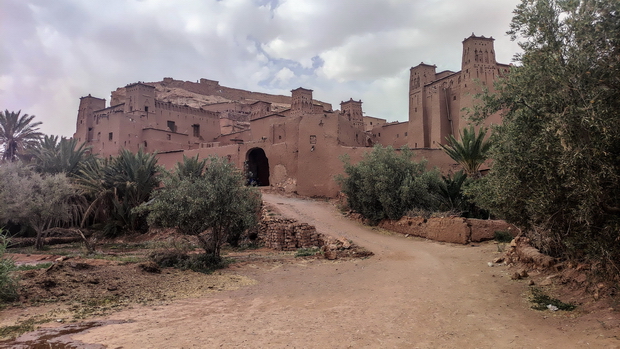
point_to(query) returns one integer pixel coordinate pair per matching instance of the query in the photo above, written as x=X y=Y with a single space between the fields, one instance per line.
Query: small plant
x=542 y=301
x=8 y=284
x=201 y=263
x=503 y=236
x=25 y=267
x=305 y=252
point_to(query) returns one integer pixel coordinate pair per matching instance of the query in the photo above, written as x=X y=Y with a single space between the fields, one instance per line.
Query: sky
x=52 y=52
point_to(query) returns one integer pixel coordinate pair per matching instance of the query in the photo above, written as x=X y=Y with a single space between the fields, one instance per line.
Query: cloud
x=53 y=52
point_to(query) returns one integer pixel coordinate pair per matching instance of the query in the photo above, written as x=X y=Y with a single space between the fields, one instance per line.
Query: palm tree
x=17 y=133
x=116 y=186
x=52 y=155
x=470 y=152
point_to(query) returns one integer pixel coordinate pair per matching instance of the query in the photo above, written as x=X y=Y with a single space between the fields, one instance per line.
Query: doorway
x=257 y=170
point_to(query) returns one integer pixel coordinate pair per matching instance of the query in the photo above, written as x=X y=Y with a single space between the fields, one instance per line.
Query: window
x=172 y=126
x=110 y=136
x=196 y=130
x=169 y=137
x=313 y=139
x=405 y=134
x=146 y=109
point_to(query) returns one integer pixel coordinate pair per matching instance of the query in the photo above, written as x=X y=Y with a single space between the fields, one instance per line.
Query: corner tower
x=301 y=102
x=352 y=110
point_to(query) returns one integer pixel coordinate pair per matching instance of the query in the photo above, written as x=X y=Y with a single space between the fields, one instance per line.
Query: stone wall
x=288 y=234
x=456 y=230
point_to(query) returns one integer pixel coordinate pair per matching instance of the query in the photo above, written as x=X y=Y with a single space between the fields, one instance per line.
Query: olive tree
x=556 y=157
x=209 y=206
x=387 y=184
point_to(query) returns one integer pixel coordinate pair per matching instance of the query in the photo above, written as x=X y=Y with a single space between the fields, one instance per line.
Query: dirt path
x=412 y=294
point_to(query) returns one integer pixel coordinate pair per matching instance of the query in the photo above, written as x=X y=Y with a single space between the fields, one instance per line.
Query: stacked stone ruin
x=287 y=234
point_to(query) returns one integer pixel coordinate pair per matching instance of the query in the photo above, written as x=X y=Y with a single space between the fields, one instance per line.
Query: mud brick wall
x=456 y=230
x=288 y=234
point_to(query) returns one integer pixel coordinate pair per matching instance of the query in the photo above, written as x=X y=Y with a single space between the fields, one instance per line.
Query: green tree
x=41 y=202
x=114 y=187
x=17 y=133
x=190 y=168
x=53 y=155
x=556 y=168
x=470 y=152
x=387 y=184
x=209 y=207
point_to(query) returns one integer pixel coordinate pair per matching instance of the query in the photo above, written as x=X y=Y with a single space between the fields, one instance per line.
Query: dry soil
x=412 y=294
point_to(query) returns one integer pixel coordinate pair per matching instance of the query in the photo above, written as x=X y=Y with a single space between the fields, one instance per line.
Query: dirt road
x=412 y=294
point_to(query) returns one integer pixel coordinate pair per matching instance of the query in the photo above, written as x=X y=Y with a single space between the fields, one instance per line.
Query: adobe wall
x=394 y=134
x=457 y=230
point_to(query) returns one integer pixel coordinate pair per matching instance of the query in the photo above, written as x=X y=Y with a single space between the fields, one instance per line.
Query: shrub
x=386 y=184
x=8 y=284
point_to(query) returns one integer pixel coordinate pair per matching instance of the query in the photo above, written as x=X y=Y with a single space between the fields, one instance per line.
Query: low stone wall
x=288 y=234
x=456 y=230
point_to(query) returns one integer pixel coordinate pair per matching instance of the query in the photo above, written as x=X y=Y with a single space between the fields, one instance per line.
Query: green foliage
x=8 y=284
x=210 y=207
x=557 y=154
x=503 y=236
x=307 y=252
x=470 y=152
x=34 y=266
x=17 y=133
x=451 y=192
x=53 y=156
x=191 y=168
x=115 y=187
x=41 y=202
x=542 y=300
x=386 y=184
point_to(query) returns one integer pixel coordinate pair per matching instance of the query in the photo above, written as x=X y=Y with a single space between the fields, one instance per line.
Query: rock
x=516 y=276
x=552 y=307
x=498 y=260
x=523 y=273
x=531 y=283
x=490 y=264
x=330 y=254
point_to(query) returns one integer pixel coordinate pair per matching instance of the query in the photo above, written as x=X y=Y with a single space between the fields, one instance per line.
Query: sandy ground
x=412 y=294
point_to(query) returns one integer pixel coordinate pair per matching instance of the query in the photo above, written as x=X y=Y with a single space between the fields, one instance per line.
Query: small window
x=196 y=130
x=397 y=135
x=110 y=136
x=279 y=137
x=146 y=109
x=172 y=126
x=379 y=134
x=145 y=144
x=169 y=137
x=313 y=139
x=405 y=134
x=454 y=98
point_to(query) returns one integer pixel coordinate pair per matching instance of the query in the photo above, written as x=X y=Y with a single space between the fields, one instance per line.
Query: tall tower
x=86 y=117
x=419 y=119
x=140 y=97
x=478 y=71
x=353 y=111
x=301 y=102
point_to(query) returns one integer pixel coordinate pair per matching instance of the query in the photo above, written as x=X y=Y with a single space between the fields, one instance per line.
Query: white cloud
x=54 y=52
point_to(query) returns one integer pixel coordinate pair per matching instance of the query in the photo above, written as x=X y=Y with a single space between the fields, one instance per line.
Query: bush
x=556 y=156
x=8 y=284
x=386 y=184
x=202 y=263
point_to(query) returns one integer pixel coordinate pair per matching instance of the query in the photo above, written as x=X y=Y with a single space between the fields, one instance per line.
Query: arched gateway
x=257 y=167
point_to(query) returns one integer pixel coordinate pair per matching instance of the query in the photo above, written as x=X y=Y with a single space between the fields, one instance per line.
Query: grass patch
x=34 y=267
x=542 y=300
x=305 y=252
x=503 y=236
